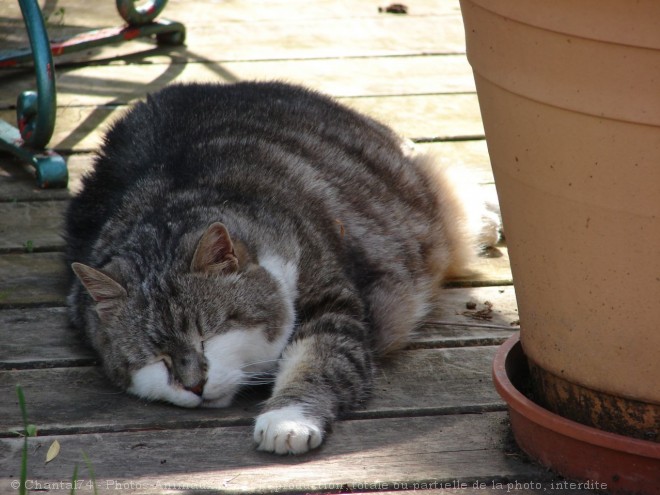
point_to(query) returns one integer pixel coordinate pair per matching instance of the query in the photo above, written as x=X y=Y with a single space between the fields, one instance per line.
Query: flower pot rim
x=546 y=419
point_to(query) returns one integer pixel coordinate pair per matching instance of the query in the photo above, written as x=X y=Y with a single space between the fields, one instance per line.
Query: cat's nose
x=197 y=389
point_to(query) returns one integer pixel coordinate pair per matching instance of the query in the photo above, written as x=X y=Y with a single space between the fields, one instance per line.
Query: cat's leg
x=398 y=305
x=327 y=369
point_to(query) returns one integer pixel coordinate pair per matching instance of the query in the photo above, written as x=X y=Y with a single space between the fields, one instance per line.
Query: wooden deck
x=435 y=422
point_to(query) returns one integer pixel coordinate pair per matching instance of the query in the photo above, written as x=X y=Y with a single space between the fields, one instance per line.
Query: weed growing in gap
x=30 y=430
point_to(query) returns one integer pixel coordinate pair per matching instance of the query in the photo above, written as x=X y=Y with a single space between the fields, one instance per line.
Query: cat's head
x=192 y=336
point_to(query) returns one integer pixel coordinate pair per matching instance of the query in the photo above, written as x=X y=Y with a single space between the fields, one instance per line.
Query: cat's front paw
x=287 y=431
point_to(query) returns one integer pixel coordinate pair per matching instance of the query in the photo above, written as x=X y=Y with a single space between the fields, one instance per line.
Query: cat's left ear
x=106 y=292
x=215 y=252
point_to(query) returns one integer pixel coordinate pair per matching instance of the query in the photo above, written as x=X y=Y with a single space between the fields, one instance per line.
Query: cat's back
x=182 y=117
x=246 y=143
x=185 y=130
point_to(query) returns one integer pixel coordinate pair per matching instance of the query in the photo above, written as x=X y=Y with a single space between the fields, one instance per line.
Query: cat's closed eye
x=200 y=328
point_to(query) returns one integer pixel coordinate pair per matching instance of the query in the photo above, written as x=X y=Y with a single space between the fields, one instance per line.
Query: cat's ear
x=215 y=252
x=105 y=291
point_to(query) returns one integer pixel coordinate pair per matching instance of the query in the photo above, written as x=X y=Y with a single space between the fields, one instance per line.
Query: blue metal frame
x=35 y=111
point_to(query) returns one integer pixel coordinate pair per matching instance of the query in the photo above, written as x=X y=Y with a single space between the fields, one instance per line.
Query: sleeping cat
x=231 y=233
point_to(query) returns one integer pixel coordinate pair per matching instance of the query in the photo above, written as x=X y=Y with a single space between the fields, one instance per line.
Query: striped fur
x=231 y=233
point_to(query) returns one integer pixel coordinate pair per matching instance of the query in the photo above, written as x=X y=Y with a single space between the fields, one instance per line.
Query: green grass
x=30 y=430
x=90 y=470
x=74 y=480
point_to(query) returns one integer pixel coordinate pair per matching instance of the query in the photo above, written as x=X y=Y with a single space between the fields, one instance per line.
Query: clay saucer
x=595 y=458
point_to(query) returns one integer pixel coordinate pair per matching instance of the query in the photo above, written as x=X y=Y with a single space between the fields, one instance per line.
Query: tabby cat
x=228 y=233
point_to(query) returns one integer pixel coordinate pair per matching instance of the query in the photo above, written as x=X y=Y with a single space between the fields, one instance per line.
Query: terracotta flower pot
x=570 y=99
x=608 y=461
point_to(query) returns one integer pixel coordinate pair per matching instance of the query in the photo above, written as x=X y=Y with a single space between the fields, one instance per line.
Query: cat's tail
x=467 y=220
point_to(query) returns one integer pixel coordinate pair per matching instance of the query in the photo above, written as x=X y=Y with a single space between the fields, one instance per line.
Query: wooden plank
x=494 y=306
x=443 y=335
x=428 y=117
x=17 y=180
x=58 y=345
x=328 y=38
x=285 y=10
x=38 y=279
x=342 y=77
x=208 y=13
x=77 y=129
x=217 y=40
x=434 y=381
x=31 y=226
x=76 y=399
x=410 y=383
x=470 y=317
x=386 y=453
x=493 y=268
x=451 y=325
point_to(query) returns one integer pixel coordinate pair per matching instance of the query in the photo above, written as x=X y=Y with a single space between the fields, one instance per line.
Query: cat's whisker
x=258 y=380
x=255 y=379
x=258 y=377
x=258 y=374
x=255 y=375
x=254 y=363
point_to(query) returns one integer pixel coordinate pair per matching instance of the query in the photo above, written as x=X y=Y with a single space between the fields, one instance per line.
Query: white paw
x=287 y=431
x=491 y=224
x=484 y=221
